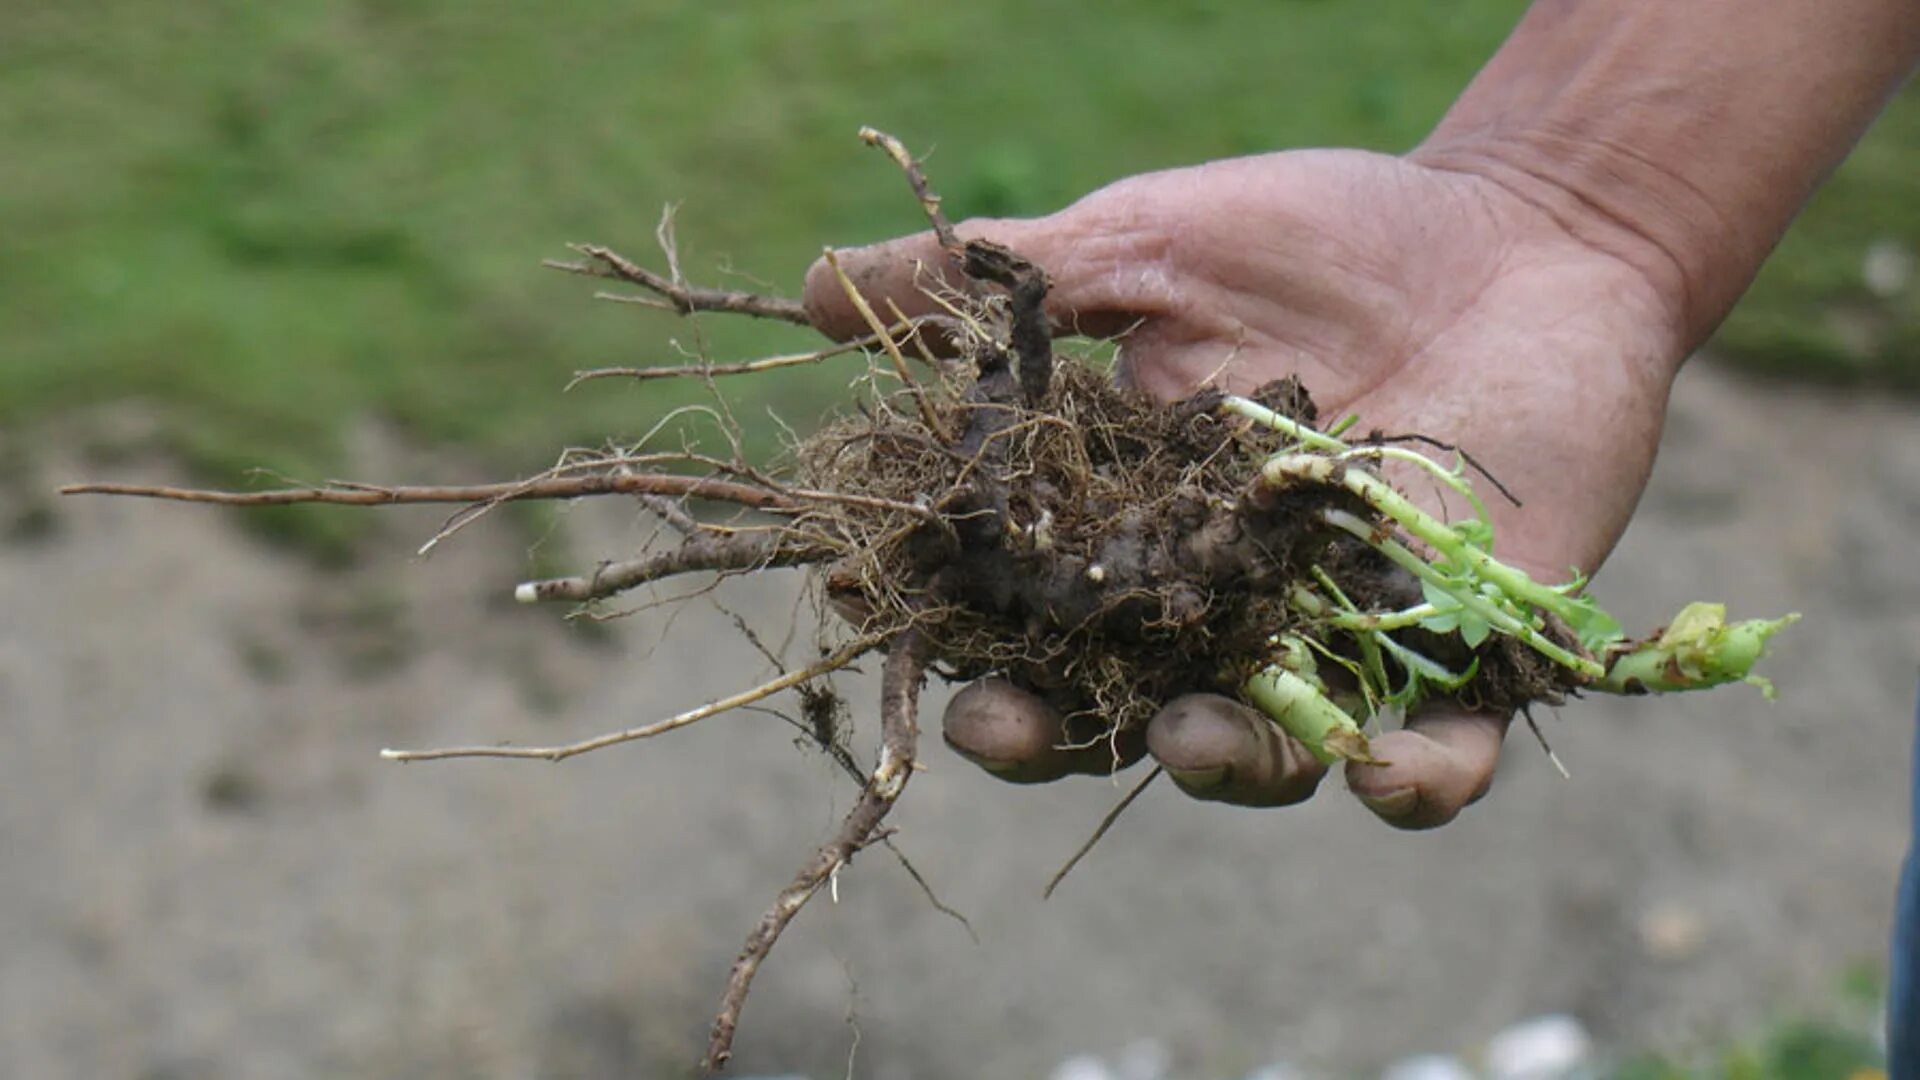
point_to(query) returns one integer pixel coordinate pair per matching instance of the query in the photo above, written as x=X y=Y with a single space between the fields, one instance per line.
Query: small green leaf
x=1594 y=626
x=1572 y=586
x=1475 y=532
x=1421 y=668
x=1473 y=629
x=1437 y=596
x=1451 y=615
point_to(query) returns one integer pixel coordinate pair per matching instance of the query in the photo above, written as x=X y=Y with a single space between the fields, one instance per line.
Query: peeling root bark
x=677 y=295
x=899 y=733
x=701 y=552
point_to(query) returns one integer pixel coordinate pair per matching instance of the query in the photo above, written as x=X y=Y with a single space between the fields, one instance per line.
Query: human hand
x=1419 y=298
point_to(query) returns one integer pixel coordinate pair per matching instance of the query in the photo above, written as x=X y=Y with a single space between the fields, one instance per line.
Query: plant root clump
x=1107 y=551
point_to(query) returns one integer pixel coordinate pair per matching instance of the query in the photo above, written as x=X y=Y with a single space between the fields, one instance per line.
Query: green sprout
x=1468 y=594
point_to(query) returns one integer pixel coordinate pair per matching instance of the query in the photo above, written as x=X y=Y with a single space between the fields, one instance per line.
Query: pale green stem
x=1440 y=472
x=1288 y=426
x=1374 y=678
x=1425 y=667
x=1369 y=631
x=1437 y=534
x=1333 y=588
x=1309 y=603
x=1304 y=711
x=1497 y=617
x=1369 y=701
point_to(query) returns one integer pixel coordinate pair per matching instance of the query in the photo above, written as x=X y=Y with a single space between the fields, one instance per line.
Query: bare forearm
x=1683 y=137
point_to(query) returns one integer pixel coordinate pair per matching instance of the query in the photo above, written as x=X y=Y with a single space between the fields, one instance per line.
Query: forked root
x=677 y=295
x=901 y=330
x=917 y=180
x=899 y=735
x=840 y=658
x=738 y=553
x=547 y=487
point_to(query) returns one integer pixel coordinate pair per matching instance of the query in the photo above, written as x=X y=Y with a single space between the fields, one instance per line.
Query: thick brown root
x=733 y=554
x=899 y=735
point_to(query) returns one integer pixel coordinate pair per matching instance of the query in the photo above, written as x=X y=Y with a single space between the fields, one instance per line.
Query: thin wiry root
x=549 y=487
x=903 y=329
x=899 y=735
x=676 y=295
x=1545 y=747
x=847 y=654
x=1106 y=823
x=702 y=552
x=926 y=889
x=880 y=333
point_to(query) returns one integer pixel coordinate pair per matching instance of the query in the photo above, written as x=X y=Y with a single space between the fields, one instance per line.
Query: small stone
x=230 y=789
x=1887 y=268
x=1671 y=931
x=1428 y=1067
x=1278 y=1070
x=1142 y=1059
x=1544 y=1048
x=1082 y=1067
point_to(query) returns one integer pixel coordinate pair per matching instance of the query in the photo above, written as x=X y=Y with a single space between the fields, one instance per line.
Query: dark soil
x=1105 y=550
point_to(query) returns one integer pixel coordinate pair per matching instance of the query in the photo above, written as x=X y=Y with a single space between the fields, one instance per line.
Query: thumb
x=904 y=270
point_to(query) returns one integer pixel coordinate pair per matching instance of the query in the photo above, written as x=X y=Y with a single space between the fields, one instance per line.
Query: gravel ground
x=210 y=874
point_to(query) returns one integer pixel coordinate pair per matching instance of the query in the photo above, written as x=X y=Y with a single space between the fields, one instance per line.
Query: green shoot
x=1297 y=700
x=1700 y=649
x=1468 y=593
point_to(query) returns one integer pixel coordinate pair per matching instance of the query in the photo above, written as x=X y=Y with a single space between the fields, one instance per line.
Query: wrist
x=1681 y=138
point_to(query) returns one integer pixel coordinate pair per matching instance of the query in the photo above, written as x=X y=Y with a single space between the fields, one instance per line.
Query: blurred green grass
x=268 y=220
x=1836 y=1041
x=1797 y=1050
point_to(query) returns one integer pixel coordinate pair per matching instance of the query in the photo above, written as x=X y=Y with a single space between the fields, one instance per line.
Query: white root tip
x=526 y=592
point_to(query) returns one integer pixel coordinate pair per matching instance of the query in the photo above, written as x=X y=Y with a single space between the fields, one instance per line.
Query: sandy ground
x=209 y=873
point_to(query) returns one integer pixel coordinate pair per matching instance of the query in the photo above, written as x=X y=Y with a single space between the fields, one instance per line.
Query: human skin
x=1525 y=284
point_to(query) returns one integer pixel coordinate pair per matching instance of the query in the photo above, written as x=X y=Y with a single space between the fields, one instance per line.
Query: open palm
x=1419 y=299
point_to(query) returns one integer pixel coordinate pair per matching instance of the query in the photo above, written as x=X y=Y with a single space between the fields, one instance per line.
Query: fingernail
x=1393 y=804
x=1199 y=779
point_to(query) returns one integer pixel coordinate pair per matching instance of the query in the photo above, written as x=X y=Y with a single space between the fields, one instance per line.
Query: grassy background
x=270 y=219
